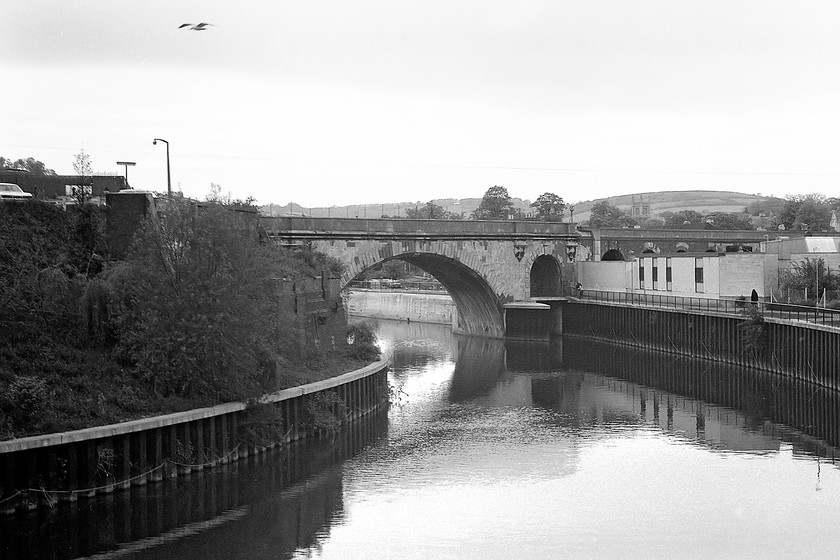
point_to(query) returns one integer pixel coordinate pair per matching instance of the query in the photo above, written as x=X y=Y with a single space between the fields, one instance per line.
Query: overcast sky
x=335 y=102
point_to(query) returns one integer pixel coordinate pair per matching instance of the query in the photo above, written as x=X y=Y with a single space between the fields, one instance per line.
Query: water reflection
x=505 y=450
x=277 y=502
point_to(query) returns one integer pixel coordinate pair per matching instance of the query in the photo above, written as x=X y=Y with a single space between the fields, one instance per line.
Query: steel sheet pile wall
x=805 y=352
x=807 y=407
x=41 y=470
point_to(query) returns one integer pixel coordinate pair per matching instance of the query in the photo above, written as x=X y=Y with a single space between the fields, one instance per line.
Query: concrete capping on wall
x=96 y=432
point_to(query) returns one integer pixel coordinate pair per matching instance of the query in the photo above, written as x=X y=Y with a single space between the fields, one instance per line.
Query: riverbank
x=403 y=306
x=41 y=470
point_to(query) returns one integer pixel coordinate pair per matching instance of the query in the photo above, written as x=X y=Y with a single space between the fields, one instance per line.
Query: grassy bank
x=191 y=317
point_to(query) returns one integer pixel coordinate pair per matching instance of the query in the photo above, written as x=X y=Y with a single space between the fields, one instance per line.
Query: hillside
x=673 y=201
x=702 y=202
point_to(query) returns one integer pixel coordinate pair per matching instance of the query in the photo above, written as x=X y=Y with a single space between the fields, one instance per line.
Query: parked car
x=10 y=191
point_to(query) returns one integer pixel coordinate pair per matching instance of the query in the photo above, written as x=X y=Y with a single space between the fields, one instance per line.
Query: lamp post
x=126 y=164
x=168 y=176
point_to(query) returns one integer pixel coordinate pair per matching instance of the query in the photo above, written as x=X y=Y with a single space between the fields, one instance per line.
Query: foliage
x=684 y=219
x=324 y=411
x=194 y=308
x=768 y=206
x=810 y=276
x=605 y=215
x=30 y=164
x=193 y=316
x=727 y=221
x=805 y=212
x=549 y=207
x=431 y=211
x=753 y=331
x=495 y=205
x=261 y=424
x=362 y=340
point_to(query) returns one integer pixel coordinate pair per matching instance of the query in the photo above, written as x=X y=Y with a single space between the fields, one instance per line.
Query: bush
x=361 y=339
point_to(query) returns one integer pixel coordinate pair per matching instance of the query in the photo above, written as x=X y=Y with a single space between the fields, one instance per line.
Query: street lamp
x=126 y=164
x=168 y=176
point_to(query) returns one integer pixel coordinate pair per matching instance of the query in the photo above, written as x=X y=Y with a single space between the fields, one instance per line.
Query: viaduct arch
x=482 y=264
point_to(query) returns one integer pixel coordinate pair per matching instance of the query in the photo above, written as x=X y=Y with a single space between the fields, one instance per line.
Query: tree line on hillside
x=190 y=317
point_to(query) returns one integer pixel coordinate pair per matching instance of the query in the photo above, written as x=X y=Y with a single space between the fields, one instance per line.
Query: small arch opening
x=546 y=277
x=613 y=255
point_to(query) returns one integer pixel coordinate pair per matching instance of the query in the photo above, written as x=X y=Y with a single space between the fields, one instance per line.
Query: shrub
x=361 y=338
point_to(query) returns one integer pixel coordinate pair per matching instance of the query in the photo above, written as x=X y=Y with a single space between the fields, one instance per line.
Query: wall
x=422 y=308
x=798 y=350
x=41 y=470
x=608 y=276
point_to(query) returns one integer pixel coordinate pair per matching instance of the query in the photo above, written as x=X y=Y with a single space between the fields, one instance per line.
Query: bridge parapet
x=387 y=228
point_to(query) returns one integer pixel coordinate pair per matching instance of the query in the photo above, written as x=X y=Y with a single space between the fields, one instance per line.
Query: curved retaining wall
x=399 y=305
x=40 y=470
x=799 y=350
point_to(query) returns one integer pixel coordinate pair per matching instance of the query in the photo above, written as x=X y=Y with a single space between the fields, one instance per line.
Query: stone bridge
x=482 y=264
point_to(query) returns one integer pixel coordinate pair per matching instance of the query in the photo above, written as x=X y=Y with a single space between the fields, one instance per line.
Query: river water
x=575 y=450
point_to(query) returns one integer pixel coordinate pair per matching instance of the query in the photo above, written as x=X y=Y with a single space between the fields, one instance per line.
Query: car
x=10 y=191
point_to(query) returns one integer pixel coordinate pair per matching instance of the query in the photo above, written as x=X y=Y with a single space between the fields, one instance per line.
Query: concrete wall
x=422 y=308
x=608 y=276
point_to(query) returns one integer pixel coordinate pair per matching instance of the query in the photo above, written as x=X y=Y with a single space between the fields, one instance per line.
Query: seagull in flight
x=196 y=26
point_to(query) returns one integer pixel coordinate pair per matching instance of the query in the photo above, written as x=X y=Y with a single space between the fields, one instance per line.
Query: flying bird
x=195 y=26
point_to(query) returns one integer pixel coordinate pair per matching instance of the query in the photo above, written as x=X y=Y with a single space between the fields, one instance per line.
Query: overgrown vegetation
x=192 y=316
x=753 y=331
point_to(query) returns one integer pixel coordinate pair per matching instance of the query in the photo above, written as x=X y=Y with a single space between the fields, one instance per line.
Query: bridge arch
x=479 y=308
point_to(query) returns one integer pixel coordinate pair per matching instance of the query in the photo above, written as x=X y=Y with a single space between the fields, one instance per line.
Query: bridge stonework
x=483 y=265
x=480 y=276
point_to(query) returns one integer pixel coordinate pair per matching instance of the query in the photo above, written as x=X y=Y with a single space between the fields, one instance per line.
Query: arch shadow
x=480 y=311
x=546 y=277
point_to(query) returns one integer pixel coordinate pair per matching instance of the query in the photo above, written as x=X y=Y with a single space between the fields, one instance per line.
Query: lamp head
x=154 y=142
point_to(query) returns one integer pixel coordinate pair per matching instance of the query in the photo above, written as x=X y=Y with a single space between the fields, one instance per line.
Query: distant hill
x=464 y=205
x=702 y=202
x=673 y=201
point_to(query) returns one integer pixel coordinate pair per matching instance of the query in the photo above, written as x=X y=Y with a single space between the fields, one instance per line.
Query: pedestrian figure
x=579 y=289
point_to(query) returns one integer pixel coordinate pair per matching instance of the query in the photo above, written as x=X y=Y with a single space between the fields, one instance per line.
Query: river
x=491 y=451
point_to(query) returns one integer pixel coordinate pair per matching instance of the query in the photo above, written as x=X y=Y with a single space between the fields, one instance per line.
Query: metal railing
x=807 y=314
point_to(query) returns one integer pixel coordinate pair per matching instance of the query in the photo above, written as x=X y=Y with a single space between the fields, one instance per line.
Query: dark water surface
x=577 y=450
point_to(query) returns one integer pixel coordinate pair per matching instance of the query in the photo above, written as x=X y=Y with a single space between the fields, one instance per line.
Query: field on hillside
x=702 y=202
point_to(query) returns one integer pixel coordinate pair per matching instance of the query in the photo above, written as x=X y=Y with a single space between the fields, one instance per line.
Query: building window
x=641 y=274
x=655 y=274
x=669 y=286
x=698 y=275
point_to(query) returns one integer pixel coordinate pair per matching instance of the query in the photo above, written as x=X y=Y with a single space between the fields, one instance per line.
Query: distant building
x=703 y=275
x=60 y=188
x=790 y=250
x=640 y=207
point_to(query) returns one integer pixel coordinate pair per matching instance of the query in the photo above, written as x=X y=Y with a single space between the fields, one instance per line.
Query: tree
x=430 y=211
x=495 y=205
x=605 y=215
x=30 y=164
x=83 y=168
x=684 y=219
x=813 y=214
x=549 y=207
x=196 y=307
x=810 y=212
x=810 y=276
x=727 y=221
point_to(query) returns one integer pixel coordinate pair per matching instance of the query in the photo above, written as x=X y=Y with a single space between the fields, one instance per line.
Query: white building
x=707 y=275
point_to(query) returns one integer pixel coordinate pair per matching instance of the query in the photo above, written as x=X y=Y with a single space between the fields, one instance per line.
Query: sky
x=333 y=102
